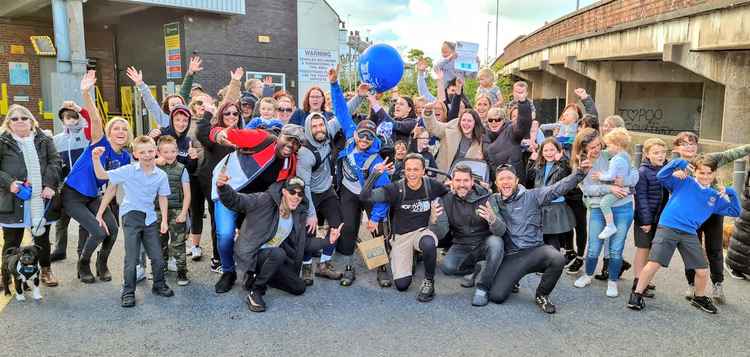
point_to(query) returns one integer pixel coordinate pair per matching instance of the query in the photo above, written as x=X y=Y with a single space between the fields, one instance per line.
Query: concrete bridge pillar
x=572 y=80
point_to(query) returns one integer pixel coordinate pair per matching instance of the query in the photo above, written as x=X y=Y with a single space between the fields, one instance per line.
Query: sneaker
x=733 y=273
x=469 y=281
x=196 y=252
x=575 y=266
x=216 y=266
x=648 y=293
x=384 y=277
x=604 y=275
x=583 y=281
x=718 y=294
x=182 y=278
x=480 y=298
x=163 y=290
x=625 y=266
x=607 y=232
x=570 y=256
x=348 y=277
x=704 y=303
x=426 y=291
x=307 y=274
x=545 y=304
x=690 y=292
x=636 y=302
x=172 y=264
x=612 y=289
x=127 y=301
x=226 y=282
x=140 y=273
x=255 y=301
x=328 y=271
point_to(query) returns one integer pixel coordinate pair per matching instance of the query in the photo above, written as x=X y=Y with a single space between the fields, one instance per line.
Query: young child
x=692 y=202
x=400 y=150
x=650 y=199
x=173 y=242
x=142 y=182
x=487 y=86
x=547 y=166
x=447 y=63
x=567 y=127
x=618 y=141
x=421 y=145
x=267 y=119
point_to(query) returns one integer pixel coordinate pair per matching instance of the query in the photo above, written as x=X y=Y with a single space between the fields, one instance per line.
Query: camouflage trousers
x=173 y=242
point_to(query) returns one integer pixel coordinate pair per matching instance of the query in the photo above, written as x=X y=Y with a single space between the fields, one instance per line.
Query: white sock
x=324 y=258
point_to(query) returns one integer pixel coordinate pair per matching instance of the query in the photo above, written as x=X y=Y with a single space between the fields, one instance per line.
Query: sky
x=424 y=24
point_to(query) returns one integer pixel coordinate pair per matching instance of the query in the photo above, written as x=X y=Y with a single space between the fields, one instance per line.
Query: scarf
x=34 y=175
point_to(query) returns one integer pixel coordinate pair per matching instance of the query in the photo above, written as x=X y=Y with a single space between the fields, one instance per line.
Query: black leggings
x=13 y=236
x=83 y=209
x=429 y=257
x=712 y=234
x=351 y=211
x=579 y=211
x=206 y=189
x=197 y=205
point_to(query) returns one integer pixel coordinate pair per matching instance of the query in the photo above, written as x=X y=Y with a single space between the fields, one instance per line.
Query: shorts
x=402 y=251
x=667 y=240
x=643 y=240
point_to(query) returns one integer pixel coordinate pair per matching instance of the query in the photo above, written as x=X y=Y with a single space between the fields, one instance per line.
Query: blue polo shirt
x=82 y=177
x=140 y=189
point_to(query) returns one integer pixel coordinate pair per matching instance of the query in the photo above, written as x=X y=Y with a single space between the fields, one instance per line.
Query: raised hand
x=332 y=75
x=88 y=81
x=363 y=89
x=97 y=152
x=581 y=93
x=135 y=75
x=680 y=174
x=384 y=166
x=237 y=74
x=196 y=65
x=268 y=81
x=422 y=65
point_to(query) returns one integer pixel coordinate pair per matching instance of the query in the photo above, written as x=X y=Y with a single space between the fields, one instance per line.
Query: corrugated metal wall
x=222 y=6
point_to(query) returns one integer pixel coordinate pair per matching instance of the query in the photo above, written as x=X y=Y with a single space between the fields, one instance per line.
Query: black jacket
x=183 y=144
x=261 y=212
x=504 y=146
x=13 y=168
x=459 y=217
x=213 y=152
x=535 y=174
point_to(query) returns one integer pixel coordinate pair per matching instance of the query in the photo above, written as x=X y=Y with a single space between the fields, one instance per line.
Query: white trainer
x=612 y=289
x=583 y=281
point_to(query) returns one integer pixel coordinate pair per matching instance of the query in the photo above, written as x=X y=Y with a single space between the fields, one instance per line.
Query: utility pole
x=578 y=4
x=488 y=42
x=497 y=23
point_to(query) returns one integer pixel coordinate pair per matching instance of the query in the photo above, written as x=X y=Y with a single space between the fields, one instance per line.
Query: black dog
x=23 y=265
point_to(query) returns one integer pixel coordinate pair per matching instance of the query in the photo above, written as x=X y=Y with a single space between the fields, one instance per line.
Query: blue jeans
x=623 y=220
x=226 y=223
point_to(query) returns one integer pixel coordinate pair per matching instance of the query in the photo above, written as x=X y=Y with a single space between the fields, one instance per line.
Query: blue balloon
x=381 y=67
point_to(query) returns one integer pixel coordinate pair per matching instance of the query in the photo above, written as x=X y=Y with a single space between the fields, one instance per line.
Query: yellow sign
x=264 y=38
x=17 y=50
x=173 y=51
x=43 y=46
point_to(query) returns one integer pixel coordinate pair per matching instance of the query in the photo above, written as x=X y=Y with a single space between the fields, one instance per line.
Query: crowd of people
x=482 y=182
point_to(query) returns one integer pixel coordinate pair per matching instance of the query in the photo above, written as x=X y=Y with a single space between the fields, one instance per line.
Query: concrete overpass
x=664 y=66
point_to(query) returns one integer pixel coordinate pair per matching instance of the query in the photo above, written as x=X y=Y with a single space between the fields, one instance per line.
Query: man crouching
x=272 y=239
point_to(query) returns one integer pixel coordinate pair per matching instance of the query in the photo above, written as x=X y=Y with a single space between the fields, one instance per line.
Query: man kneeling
x=476 y=231
x=272 y=239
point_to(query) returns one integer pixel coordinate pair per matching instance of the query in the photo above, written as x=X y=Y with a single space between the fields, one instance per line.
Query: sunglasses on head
x=20 y=118
x=235 y=114
x=298 y=193
x=285 y=110
x=366 y=135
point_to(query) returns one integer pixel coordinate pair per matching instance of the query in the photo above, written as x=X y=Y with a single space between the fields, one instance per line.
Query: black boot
x=225 y=282
x=84 y=271
x=605 y=271
x=102 y=272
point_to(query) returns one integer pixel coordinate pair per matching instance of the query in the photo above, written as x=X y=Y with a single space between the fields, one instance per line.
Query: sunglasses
x=298 y=193
x=198 y=102
x=20 y=118
x=494 y=120
x=364 y=135
x=285 y=110
x=234 y=114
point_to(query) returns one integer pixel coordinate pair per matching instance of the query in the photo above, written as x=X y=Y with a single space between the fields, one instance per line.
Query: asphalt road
x=364 y=320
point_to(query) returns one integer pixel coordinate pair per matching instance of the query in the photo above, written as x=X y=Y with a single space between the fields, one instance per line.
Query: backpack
x=339 y=169
x=321 y=160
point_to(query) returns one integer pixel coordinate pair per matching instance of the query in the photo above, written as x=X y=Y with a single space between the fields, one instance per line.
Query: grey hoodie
x=320 y=180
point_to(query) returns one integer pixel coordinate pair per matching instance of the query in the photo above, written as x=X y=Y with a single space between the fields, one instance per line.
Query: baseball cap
x=294 y=131
x=367 y=125
x=294 y=183
x=197 y=86
x=506 y=167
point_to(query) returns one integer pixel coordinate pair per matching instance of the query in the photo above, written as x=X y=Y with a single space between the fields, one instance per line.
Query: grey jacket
x=522 y=211
x=320 y=180
x=460 y=218
x=594 y=190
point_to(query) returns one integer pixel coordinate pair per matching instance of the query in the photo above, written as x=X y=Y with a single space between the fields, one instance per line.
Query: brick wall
x=17 y=32
x=595 y=18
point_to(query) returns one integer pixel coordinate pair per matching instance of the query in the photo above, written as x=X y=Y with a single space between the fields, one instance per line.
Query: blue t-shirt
x=82 y=177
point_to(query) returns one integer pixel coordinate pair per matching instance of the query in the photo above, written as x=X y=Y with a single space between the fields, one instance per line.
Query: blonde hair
x=142 y=140
x=166 y=140
x=111 y=123
x=249 y=84
x=269 y=100
x=650 y=143
x=482 y=96
x=16 y=108
x=619 y=137
x=420 y=99
x=497 y=112
x=486 y=72
x=615 y=120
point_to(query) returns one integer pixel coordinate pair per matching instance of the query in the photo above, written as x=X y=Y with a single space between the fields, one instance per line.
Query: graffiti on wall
x=641 y=118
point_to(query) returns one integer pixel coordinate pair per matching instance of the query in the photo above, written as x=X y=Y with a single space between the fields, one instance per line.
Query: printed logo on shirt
x=712 y=201
x=416 y=207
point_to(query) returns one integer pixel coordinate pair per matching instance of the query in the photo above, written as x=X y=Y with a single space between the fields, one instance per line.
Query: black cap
x=506 y=167
x=63 y=110
x=367 y=125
